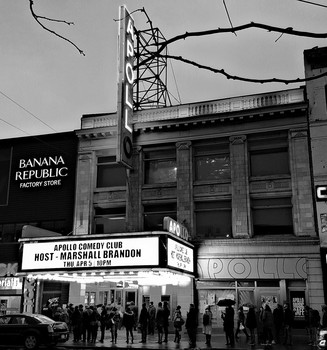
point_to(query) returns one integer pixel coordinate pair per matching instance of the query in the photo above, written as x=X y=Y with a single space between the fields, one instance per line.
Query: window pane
x=213 y=219
x=160 y=171
x=110 y=220
x=212 y=167
x=154 y=215
x=272 y=216
x=269 y=163
x=110 y=175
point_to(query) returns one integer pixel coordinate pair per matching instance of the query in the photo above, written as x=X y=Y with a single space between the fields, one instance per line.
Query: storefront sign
x=179 y=256
x=41 y=172
x=321 y=193
x=125 y=88
x=245 y=268
x=11 y=283
x=9 y=269
x=175 y=228
x=102 y=253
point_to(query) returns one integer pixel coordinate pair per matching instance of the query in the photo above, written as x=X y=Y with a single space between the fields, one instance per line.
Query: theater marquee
x=96 y=253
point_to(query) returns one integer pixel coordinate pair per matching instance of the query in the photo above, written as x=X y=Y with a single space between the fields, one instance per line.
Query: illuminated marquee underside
x=153 y=277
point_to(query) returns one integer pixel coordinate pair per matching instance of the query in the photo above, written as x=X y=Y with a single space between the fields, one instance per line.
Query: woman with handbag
x=241 y=324
x=178 y=322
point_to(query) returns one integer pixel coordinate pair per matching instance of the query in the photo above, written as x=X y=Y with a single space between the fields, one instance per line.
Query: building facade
x=236 y=175
x=36 y=197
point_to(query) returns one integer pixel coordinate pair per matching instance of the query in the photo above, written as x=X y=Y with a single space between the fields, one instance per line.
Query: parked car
x=31 y=330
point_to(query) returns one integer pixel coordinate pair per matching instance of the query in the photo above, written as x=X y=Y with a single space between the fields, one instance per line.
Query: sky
x=46 y=85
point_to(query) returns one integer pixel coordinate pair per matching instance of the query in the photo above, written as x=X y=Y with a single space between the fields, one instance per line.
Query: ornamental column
x=241 y=218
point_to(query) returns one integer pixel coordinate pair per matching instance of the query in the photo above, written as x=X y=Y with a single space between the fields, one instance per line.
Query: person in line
x=268 y=324
x=313 y=323
x=134 y=309
x=288 y=324
x=94 y=323
x=160 y=321
x=143 y=322
x=192 y=325
x=324 y=317
x=166 y=314
x=76 y=322
x=278 y=315
x=103 y=322
x=86 y=329
x=115 y=322
x=152 y=318
x=128 y=323
x=251 y=323
x=228 y=323
x=207 y=325
x=178 y=323
x=241 y=324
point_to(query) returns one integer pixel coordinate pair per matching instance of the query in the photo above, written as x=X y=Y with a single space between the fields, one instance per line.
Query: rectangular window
x=269 y=154
x=272 y=216
x=110 y=220
x=5 y=159
x=212 y=162
x=213 y=219
x=154 y=215
x=109 y=173
x=160 y=166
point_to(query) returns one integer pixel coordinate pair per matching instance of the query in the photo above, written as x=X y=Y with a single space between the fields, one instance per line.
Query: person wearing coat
x=143 y=322
x=268 y=324
x=207 y=325
x=241 y=324
x=251 y=323
x=191 y=325
x=160 y=321
x=178 y=322
x=76 y=323
x=128 y=323
x=228 y=318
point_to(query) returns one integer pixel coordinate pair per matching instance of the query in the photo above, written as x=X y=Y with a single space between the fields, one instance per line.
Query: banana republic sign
x=41 y=171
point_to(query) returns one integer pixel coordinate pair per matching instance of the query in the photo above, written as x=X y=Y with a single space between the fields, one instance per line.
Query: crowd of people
x=264 y=326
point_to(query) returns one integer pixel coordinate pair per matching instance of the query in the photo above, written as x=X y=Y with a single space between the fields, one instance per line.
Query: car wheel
x=31 y=342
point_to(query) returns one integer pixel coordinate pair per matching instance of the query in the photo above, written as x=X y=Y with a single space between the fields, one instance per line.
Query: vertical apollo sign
x=125 y=88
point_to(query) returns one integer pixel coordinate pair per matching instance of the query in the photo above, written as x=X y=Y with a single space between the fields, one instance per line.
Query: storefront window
x=109 y=173
x=160 y=166
x=213 y=219
x=154 y=215
x=272 y=216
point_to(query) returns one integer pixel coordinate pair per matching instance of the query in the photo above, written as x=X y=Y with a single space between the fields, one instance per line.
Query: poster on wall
x=323 y=220
x=297 y=299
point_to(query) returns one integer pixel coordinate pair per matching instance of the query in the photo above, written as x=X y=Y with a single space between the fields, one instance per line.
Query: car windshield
x=43 y=319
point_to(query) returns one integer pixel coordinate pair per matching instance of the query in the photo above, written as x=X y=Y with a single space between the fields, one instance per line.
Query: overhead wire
x=26 y=110
x=312 y=3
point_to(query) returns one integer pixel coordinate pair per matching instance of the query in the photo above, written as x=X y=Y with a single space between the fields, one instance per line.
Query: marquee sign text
x=104 y=253
x=180 y=256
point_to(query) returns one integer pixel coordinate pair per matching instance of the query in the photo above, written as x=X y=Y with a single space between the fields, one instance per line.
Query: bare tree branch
x=235 y=77
x=288 y=30
x=37 y=18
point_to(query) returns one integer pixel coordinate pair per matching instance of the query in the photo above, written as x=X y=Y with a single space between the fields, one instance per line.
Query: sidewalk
x=217 y=342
